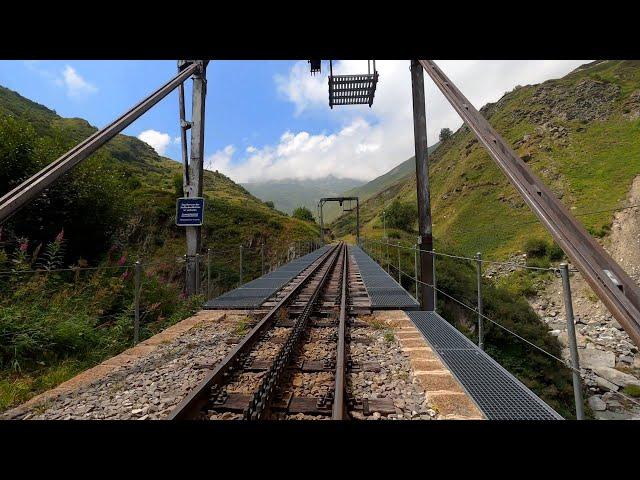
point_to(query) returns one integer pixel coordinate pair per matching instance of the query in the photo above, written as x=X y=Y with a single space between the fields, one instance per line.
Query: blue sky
x=271 y=119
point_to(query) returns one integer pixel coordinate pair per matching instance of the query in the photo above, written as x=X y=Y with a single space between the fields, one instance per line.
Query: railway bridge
x=330 y=334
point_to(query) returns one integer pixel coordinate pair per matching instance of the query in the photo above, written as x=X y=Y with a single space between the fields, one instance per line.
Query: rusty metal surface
x=607 y=279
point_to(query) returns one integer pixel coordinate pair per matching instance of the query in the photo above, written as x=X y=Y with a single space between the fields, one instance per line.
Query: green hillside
x=369 y=189
x=116 y=207
x=580 y=133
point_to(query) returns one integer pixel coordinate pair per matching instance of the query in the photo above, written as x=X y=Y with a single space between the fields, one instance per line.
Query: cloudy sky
x=271 y=119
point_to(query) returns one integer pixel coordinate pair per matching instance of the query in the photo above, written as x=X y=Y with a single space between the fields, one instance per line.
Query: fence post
x=197 y=267
x=480 y=306
x=240 y=265
x=573 y=345
x=399 y=266
x=136 y=322
x=208 y=273
x=415 y=267
x=435 y=292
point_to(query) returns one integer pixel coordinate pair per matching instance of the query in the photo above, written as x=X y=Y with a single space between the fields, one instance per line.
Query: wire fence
x=386 y=258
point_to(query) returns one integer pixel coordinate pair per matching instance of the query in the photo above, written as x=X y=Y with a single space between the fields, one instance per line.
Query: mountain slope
x=580 y=133
x=378 y=184
x=289 y=194
x=115 y=207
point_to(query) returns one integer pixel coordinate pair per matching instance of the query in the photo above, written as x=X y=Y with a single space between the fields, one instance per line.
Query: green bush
x=535 y=247
x=303 y=213
x=402 y=215
x=555 y=252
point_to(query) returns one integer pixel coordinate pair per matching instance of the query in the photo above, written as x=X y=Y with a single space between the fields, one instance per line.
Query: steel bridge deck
x=252 y=294
x=497 y=393
x=385 y=293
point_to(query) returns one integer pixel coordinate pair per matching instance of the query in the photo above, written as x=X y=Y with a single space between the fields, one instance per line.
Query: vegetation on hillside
x=580 y=133
x=114 y=208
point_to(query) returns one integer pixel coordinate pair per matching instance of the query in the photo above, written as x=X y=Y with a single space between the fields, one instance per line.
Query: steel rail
x=608 y=280
x=11 y=202
x=339 y=411
x=261 y=401
x=193 y=403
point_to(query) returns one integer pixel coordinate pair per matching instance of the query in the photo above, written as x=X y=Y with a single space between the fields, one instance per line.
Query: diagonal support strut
x=608 y=280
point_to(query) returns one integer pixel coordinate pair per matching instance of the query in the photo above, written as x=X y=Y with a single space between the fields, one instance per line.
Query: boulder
x=597 y=404
x=592 y=358
x=606 y=384
x=616 y=376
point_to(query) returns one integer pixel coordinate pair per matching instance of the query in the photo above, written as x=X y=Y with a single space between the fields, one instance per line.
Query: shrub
x=535 y=247
x=303 y=213
x=445 y=133
x=402 y=215
x=555 y=252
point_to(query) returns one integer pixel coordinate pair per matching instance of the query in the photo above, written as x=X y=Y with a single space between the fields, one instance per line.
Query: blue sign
x=189 y=212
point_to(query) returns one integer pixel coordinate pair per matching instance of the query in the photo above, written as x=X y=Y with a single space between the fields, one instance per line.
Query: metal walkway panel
x=254 y=293
x=497 y=393
x=384 y=291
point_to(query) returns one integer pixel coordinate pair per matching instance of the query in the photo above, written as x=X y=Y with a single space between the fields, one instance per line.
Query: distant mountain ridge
x=288 y=194
x=378 y=184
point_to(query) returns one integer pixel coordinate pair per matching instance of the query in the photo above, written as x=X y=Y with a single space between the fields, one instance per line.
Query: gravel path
x=394 y=380
x=150 y=387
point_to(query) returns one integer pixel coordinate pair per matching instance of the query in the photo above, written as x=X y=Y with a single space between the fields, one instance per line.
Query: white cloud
x=221 y=160
x=158 y=140
x=77 y=87
x=373 y=140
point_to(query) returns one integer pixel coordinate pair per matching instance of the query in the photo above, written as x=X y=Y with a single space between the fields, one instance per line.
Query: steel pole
x=208 y=273
x=399 y=266
x=357 y=221
x=240 y=265
x=194 y=189
x=480 y=306
x=433 y=278
x=321 y=224
x=422 y=186
x=573 y=344
x=136 y=322
x=262 y=258
x=415 y=267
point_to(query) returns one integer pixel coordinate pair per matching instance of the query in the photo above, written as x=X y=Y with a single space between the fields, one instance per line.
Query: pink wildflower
x=122 y=260
x=60 y=236
x=24 y=245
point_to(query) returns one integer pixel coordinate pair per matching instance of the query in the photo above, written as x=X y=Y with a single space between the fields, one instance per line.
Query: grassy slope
x=368 y=190
x=476 y=209
x=60 y=325
x=590 y=167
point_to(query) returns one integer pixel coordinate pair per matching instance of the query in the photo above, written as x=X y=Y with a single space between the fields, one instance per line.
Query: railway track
x=293 y=361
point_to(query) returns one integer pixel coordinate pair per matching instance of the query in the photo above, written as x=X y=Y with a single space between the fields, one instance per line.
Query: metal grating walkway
x=385 y=293
x=498 y=394
x=255 y=292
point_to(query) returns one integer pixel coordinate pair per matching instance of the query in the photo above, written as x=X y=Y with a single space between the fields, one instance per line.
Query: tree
x=445 y=133
x=303 y=213
x=402 y=215
x=269 y=204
